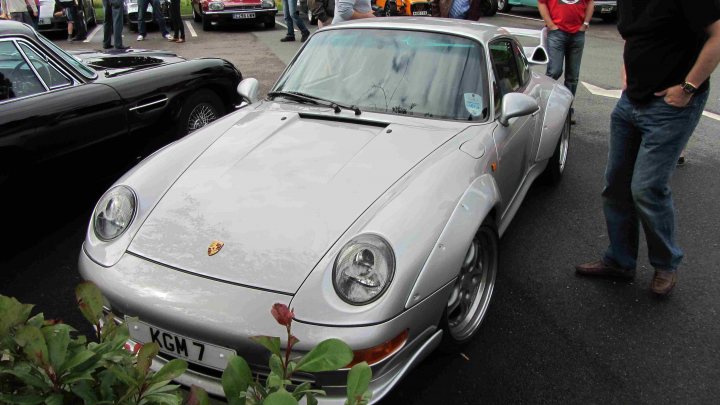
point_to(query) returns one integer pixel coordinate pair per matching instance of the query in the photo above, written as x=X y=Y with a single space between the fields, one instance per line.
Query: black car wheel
x=207 y=26
x=504 y=6
x=270 y=22
x=488 y=8
x=470 y=298
x=200 y=109
x=556 y=165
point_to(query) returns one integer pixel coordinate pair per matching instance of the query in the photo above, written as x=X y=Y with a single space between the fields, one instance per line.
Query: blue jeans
x=113 y=26
x=645 y=143
x=157 y=16
x=292 y=14
x=565 y=47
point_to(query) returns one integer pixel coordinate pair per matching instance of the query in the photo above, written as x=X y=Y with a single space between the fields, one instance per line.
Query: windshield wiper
x=298 y=96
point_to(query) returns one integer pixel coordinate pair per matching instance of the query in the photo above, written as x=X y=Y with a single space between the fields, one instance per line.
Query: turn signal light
x=376 y=354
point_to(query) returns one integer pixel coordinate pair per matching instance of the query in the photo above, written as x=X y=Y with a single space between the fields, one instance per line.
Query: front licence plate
x=176 y=345
x=420 y=13
x=606 y=9
x=240 y=16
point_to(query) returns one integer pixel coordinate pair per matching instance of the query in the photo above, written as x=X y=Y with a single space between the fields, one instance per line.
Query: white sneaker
x=141 y=38
x=169 y=37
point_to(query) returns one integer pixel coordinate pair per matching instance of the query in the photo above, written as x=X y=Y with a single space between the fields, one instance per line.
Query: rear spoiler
x=535 y=54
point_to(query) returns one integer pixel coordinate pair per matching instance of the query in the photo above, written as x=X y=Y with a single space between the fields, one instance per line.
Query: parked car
x=130 y=10
x=389 y=8
x=368 y=191
x=54 y=104
x=605 y=9
x=48 y=22
x=213 y=13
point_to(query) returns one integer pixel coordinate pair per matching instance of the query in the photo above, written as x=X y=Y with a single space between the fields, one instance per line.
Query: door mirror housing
x=248 y=90
x=516 y=105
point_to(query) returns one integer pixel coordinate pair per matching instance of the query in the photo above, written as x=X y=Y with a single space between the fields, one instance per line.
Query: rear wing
x=535 y=54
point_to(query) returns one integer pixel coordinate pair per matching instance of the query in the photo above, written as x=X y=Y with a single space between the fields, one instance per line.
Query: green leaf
x=198 y=396
x=271 y=343
x=280 y=397
x=37 y=321
x=328 y=355
x=84 y=390
x=30 y=399
x=358 y=382
x=90 y=301
x=235 y=379
x=122 y=375
x=24 y=372
x=54 y=399
x=163 y=398
x=12 y=313
x=171 y=370
x=276 y=365
x=58 y=339
x=145 y=355
x=311 y=400
x=274 y=382
x=33 y=343
x=77 y=360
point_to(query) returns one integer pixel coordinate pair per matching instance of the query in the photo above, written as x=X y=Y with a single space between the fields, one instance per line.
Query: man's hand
x=675 y=96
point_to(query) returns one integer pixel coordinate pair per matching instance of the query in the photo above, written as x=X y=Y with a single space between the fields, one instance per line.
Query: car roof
x=8 y=27
x=480 y=31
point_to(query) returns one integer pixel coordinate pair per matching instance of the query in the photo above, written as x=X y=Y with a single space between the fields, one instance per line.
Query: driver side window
x=507 y=77
x=17 y=79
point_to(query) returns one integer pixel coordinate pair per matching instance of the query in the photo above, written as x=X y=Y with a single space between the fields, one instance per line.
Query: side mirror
x=537 y=55
x=516 y=105
x=248 y=90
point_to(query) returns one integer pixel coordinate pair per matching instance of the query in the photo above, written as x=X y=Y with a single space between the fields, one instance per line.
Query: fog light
x=376 y=354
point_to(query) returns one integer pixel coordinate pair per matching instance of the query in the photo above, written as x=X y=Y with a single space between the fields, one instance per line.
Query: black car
x=50 y=22
x=53 y=104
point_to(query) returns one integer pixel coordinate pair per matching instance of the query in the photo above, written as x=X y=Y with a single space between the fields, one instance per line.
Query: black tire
x=195 y=15
x=270 y=23
x=556 y=165
x=488 y=8
x=478 y=272
x=198 y=110
x=504 y=6
x=207 y=26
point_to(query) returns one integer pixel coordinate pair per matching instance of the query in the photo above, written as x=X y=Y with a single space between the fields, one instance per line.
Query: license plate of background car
x=420 y=12
x=180 y=346
x=606 y=9
x=240 y=16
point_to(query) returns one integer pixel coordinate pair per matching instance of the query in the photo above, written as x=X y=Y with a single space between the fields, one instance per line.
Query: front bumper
x=52 y=24
x=227 y=315
x=239 y=16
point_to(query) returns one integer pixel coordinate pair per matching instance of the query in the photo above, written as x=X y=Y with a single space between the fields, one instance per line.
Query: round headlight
x=268 y=3
x=216 y=5
x=363 y=269
x=114 y=212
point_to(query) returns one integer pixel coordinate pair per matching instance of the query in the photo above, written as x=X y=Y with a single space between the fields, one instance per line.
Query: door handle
x=150 y=104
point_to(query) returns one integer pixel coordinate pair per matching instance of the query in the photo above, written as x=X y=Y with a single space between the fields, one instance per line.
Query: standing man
x=566 y=21
x=671 y=48
x=292 y=14
x=157 y=16
x=19 y=10
x=113 y=25
x=346 y=10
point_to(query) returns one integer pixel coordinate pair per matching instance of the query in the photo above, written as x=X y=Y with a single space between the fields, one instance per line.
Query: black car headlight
x=363 y=269
x=216 y=6
x=114 y=212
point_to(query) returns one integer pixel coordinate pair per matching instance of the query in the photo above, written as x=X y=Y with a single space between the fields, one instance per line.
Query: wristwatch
x=586 y=24
x=688 y=88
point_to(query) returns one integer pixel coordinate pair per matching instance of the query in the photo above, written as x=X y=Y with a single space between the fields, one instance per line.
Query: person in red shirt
x=566 y=21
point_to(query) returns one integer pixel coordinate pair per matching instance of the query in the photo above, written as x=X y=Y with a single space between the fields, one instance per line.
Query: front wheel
x=504 y=6
x=270 y=23
x=200 y=109
x=468 y=303
x=489 y=8
x=207 y=25
x=556 y=165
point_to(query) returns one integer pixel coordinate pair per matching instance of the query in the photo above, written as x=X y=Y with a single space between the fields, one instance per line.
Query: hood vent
x=349 y=120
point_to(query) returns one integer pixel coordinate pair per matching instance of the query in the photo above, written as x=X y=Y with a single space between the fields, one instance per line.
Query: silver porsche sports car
x=367 y=191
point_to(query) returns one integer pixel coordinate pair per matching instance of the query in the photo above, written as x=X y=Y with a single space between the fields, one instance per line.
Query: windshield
x=79 y=66
x=394 y=71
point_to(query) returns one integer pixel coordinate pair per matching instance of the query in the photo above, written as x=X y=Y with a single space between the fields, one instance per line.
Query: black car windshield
x=79 y=66
x=406 y=72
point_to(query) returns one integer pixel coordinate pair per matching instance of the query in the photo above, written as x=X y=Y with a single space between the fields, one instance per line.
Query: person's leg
x=107 y=25
x=665 y=131
x=180 y=22
x=142 y=9
x=556 y=53
x=159 y=19
x=620 y=215
x=117 y=17
x=287 y=13
x=175 y=17
x=573 y=57
x=295 y=14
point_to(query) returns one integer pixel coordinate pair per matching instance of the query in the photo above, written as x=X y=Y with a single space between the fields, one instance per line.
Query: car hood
x=120 y=61
x=278 y=189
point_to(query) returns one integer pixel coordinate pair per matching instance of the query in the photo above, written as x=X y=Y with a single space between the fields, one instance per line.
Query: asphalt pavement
x=550 y=336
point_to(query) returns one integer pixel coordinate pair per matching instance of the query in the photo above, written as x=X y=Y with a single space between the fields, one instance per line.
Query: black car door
x=69 y=116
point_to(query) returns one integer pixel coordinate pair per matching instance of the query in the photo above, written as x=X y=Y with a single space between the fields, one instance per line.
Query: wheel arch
x=556 y=110
x=479 y=203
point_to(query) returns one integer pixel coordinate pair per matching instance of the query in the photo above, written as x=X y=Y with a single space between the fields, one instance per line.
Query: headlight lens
x=268 y=3
x=363 y=269
x=114 y=212
x=216 y=5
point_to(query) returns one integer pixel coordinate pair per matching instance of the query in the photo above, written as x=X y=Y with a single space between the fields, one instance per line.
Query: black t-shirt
x=663 y=39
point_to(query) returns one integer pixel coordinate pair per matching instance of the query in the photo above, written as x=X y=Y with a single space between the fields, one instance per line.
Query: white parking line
x=92 y=34
x=283 y=25
x=190 y=28
x=519 y=16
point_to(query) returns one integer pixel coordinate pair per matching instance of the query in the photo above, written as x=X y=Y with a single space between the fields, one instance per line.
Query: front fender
x=444 y=261
x=556 y=110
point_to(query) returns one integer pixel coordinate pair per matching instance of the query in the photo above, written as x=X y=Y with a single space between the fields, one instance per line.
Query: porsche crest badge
x=215 y=247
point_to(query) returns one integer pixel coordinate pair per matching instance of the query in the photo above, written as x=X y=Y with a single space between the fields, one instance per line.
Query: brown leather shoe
x=663 y=282
x=599 y=268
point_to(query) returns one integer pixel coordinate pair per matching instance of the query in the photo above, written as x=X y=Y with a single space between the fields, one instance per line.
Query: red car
x=215 y=12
